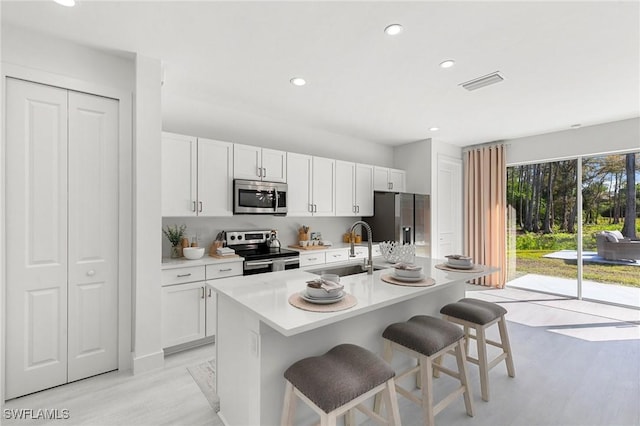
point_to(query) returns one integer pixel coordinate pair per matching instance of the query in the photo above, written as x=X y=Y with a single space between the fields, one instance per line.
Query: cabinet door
x=299 y=187
x=345 y=188
x=215 y=178
x=323 y=186
x=381 y=179
x=364 y=190
x=179 y=155
x=274 y=165
x=93 y=236
x=211 y=312
x=397 y=180
x=247 y=161
x=36 y=259
x=183 y=313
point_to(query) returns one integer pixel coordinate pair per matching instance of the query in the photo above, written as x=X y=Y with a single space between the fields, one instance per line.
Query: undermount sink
x=343 y=271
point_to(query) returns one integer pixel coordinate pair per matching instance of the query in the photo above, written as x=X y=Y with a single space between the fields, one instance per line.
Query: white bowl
x=314 y=290
x=458 y=260
x=408 y=273
x=193 y=252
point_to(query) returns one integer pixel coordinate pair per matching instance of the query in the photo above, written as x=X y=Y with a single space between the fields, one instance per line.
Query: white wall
x=617 y=136
x=194 y=118
x=415 y=158
x=206 y=228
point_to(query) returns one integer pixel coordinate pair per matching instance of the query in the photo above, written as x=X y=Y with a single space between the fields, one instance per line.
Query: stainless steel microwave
x=256 y=197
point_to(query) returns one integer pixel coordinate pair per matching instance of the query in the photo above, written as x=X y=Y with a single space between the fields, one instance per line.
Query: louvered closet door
x=93 y=235
x=36 y=229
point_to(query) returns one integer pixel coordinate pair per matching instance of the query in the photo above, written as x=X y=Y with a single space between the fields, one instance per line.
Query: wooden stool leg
x=506 y=346
x=483 y=363
x=426 y=371
x=467 y=340
x=289 y=405
x=387 y=355
x=350 y=418
x=391 y=401
x=464 y=377
x=328 y=419
x=437 y=361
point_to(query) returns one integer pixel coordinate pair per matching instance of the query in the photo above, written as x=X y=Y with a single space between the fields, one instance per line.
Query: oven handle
x=292 y=260
x=259 y=263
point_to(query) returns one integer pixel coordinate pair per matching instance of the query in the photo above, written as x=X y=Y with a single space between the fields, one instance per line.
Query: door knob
x=91 y=273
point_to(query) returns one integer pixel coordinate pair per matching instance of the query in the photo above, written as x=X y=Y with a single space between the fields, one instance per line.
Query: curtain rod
x=485 y=145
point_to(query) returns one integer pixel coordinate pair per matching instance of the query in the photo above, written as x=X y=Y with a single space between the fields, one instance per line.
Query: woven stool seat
x=338 y=382
x=474 y=310
x=479 y=315
x=423 y=334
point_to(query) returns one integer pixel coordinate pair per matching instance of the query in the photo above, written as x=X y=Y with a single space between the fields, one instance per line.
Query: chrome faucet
x=368 y=264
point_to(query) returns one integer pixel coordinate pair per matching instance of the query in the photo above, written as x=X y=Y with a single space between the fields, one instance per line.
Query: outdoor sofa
x=613 y=246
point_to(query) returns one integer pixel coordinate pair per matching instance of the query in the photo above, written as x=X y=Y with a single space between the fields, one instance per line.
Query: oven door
x=252 y=267
x=254 y=197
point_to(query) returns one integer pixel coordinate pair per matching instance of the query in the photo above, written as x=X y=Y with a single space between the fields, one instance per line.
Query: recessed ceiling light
x=298 y=81
x=447 y=64
x=68 y=3
x=434 y=129
x=393 y=29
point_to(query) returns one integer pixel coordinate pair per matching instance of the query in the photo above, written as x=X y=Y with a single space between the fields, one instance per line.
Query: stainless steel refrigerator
x=402 y=217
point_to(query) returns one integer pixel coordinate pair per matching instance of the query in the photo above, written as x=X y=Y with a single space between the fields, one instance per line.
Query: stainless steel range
x=258 y=256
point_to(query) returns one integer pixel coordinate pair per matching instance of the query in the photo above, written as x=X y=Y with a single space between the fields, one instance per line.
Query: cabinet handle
x=259 y=171
x=209 y=292
x=200 y=204
x=224 y=270
x=335 y=255
x=357 y=209
x=194 y=206
x=391 y=185
x=310 y=208
x=313 y=258
x=353 y=209
x=264 y=172
x=202 y=288
x=184 y=275
x=315 y=208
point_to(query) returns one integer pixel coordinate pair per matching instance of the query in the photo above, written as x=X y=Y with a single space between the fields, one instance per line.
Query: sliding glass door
x=576 y=244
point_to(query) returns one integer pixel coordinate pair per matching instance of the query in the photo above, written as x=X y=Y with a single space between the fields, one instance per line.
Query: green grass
x=533 y=262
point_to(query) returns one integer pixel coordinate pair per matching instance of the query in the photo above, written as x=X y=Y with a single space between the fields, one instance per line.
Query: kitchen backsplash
x=206 y=229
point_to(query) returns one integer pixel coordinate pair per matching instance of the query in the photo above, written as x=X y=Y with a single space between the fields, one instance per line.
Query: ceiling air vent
x=483 y=81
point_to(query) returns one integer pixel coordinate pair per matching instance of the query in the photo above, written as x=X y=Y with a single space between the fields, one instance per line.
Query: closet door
x=93 y=235
x=36 y=229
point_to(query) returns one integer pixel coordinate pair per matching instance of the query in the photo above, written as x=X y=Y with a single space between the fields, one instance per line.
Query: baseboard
x=186 y=346
x=148 y=362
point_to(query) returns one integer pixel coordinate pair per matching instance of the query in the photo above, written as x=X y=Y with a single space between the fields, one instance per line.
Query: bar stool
x=480 y=315
x=339 y=381
x=426 y=339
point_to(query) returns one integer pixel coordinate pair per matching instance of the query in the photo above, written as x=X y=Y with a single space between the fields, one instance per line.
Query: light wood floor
x=577 y=363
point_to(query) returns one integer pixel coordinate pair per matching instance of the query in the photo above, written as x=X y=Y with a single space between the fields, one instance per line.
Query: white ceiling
x=563 y=62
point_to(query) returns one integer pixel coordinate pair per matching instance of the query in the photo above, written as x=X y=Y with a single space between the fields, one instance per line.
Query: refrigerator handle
x=406 y=235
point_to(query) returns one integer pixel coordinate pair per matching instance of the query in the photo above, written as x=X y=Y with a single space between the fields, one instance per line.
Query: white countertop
x=333 y=246
x=266 y=295
x=183 y=262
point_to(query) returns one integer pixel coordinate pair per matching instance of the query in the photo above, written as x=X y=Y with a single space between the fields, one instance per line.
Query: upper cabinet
x=197 y=176
x=312 y=192
x=255 y=163
x=354 y=194
x=386 y=179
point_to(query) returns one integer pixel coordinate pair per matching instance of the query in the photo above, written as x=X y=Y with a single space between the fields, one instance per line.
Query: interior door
x=36 y=229
x=449 y=209
x=93 y=235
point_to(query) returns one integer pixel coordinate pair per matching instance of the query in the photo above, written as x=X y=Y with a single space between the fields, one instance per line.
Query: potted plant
x=174 y=234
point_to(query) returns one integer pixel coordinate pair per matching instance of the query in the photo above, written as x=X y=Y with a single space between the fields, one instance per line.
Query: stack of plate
x=407 y=272
x=324 y=291
x=458 y=261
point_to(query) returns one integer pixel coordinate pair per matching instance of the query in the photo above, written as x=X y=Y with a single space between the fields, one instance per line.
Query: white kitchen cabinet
x=189 y=303
x=62 y=207
x=354 y=189
x=333 y=256
x=386 y=179
x=311 y=190
x=255 y=163
x=312 y=258
x=197 y=176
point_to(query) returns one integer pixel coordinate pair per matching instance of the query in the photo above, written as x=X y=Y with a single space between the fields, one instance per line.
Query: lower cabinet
x=189 y=308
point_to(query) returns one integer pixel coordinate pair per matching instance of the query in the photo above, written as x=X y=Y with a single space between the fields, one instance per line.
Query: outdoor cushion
x=617 y=234
x=611 y=236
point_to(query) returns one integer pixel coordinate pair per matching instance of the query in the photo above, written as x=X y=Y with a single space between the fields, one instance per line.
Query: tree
x=629 y=228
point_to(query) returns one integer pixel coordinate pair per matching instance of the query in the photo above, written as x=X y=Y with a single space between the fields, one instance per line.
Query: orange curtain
x=485 y=200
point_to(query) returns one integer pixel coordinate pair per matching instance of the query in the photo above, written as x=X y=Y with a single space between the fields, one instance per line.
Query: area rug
x=204 y=375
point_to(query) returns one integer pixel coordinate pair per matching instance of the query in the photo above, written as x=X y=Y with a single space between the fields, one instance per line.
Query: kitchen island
x=260 y=334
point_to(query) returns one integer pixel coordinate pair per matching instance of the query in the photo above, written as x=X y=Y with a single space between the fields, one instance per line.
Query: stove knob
x=233 y=237
x=266 y=235
x=239 y=237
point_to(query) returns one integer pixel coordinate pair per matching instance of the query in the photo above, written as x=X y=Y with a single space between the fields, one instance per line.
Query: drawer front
x=182 y=275
x=308 y=259
x=337 y=256
x=376 y=251
x=222 y=270
x=361 y=252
